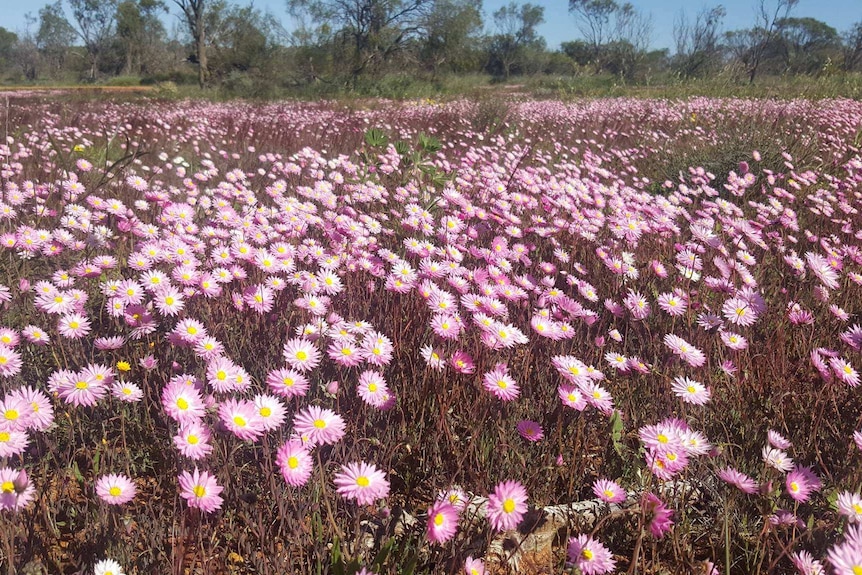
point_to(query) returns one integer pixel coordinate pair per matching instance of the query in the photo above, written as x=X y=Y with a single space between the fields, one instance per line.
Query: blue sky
x=560 y=25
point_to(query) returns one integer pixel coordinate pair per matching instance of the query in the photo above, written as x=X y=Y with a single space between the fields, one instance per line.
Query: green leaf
x=77 y=472
x=410 y=566
x=617 y=433
x=380 y=558
x=335 y=558
x=429 y=144
x=375 y=138
x=402 y=147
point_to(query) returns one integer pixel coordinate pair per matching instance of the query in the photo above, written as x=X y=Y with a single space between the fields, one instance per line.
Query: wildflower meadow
x=503 y=336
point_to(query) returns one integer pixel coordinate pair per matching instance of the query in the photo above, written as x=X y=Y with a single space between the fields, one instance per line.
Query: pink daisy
x=345 y=352
x=115 y=489
x=182 y=403
x=507 y=505
x=361 y=482
x=844 y=371
x=192 y=440
x=73 y=326
x=241 y=418
x=609 y=491
x=530 y=430
x=690 y=354
x=572 y=397
x=317 y=426
x=270 y=410
x=590 y=556
x=473 y=566
x=500 y=383
x=295 y=463
x=739 y=480
x=287 y=383
x=200 y=490
x=442 y=522
x=801 y=482
x=41 y=412
x=658 y=515
x=16 y=491
x=691 y=391
x=301 y=354
x=372 y=388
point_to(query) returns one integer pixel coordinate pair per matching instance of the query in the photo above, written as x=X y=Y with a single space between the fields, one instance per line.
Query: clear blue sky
x=560 y=25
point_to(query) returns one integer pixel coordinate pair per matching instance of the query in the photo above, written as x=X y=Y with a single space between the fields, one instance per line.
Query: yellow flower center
x=7 y=487
x=372 y=387
x=73 y=324
x=115 y=491
x=239 y=421
x=287 y=381
x=794 y=487
x=221 y=375
x=199 y=490
x=587 y=554
x=662 y=438
x=502 y=384
x=608 y=493
x=182 y=403
x=319 y=424
x=362 y=481
x=438 y=519
x=346 y=351
x=265 y=411
x=690 y=389
x=11 y=414
x=509 y=505
x=82 y=385
x=192 y=440
x=5 y=436
x=301 y=355
x=169 y=300
x=292 y=462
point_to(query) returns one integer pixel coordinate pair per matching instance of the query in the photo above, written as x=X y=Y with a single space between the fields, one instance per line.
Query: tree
x=95 y=20
x=241 y=39
x=516 y=32
x=593 y=19
x=139 y=31
x=194 y=14
x=769 y=19
x=852 y=47
x=8 y=40
x=451 y=31
x=618 y=33
x=374 y=30
x=54 y=36
x=806 y=44
x=698 y=46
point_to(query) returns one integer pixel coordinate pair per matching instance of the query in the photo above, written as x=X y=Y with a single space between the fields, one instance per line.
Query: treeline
x=345 y=43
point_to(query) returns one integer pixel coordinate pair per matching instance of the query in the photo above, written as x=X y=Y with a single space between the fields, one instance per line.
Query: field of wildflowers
x=532 y=337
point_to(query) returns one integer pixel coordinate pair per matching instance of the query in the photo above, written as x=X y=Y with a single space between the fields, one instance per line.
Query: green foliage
x=376 y=138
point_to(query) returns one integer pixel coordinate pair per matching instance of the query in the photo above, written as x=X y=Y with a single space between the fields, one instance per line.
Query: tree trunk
x=201 y=41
